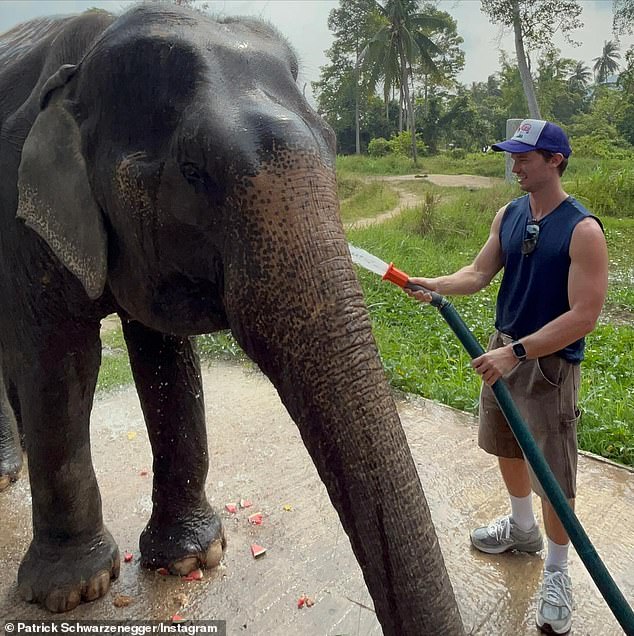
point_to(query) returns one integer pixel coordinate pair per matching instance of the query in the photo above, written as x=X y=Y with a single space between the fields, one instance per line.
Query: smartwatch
x=518 y=350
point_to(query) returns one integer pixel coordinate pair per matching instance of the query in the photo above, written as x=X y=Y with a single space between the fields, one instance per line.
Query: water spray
x=586 y=551
x=391 y=274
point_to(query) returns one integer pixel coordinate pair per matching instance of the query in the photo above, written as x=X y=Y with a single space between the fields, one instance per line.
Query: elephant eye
x=203 y=183
x=193 y=174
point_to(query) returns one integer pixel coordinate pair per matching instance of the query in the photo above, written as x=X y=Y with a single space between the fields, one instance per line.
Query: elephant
x=163 y=165
x=10 y=447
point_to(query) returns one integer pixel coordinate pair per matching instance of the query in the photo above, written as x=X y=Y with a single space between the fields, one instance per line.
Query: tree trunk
x=525 y=75
x=356 y=108
x=426 y=107
x=409 y=105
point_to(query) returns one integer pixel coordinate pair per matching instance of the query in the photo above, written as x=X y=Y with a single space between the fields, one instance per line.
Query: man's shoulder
x=515 y=206
x=580 y=210
x=577 y=205
x=523 y=200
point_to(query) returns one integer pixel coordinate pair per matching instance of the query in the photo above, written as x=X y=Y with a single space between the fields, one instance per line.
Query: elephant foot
x=183 y=545
x=60 y=578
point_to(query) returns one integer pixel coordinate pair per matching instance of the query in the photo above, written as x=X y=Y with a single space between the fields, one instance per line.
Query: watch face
x=519 y=351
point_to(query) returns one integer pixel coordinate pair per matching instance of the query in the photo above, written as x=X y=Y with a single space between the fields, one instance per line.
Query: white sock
x=522 y=511
x=557 y=556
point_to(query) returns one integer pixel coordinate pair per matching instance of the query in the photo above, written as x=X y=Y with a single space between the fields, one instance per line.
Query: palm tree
x=606 y=64
x=580 y=76
x=394 y=49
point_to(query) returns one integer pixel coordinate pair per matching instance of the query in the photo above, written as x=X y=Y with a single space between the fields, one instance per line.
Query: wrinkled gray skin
x=166 y=167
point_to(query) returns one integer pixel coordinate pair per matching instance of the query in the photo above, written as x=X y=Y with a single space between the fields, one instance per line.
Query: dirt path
x=408 y=199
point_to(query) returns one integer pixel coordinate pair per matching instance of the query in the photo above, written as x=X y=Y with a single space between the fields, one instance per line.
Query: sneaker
x=554 y=607
x=503 y=534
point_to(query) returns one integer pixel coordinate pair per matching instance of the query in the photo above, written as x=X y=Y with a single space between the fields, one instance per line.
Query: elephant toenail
x=215 y=552
x=62 y=600
x=97 y=586
x=184 y=566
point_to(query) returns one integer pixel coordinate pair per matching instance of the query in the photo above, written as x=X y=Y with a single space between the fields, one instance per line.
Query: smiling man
x=555 y=263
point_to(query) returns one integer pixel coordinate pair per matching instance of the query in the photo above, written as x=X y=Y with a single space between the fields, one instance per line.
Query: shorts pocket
x=566 y=420
x=549 y=368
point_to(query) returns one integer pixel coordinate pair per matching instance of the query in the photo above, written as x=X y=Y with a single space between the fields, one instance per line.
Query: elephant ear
x=55 y=197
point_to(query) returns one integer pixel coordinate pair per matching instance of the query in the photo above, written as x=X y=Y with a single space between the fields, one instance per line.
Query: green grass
x=606 y=187
x=606 y=191
x=607 y=393
x=220 y=345
x=364 y=165
x=619 y=305
x=368 y=201
x=115 y=369
x=419 y=352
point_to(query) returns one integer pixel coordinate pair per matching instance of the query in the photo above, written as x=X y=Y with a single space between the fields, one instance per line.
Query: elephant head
x=178 y=168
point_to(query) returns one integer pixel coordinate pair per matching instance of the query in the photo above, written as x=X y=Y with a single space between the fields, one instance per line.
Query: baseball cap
x=536 y=134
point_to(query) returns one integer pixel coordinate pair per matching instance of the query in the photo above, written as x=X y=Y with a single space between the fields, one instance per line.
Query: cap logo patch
x=529 y=131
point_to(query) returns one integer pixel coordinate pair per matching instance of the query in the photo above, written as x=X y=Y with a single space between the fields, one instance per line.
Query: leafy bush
x=458 y=153
x=599 y=147
x=428 y=214
x=379 y=147
x=605 y=191
x=401 y=144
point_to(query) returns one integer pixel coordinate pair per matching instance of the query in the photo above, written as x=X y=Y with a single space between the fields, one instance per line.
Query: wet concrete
x=256 y=453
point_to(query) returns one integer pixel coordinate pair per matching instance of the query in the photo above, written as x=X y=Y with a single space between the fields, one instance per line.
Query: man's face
x=533 y=171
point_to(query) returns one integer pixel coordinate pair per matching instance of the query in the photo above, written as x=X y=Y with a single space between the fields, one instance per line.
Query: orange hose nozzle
x=396 y=276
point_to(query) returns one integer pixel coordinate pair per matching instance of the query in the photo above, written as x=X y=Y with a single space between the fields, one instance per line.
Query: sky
x=304 y=23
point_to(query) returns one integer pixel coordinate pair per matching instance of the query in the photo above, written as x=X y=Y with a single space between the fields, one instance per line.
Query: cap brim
x=511 y=145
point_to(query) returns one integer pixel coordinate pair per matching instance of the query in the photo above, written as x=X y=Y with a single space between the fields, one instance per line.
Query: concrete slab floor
x=256 y=453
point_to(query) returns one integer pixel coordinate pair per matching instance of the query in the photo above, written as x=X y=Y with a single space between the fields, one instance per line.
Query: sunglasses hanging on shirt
x=530 y=237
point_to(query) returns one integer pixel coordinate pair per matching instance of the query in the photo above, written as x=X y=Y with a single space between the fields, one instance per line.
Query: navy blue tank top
x=534 y=287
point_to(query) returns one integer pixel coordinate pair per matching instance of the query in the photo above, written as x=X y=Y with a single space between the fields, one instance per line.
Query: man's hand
x=493 y=364
x=427 y=283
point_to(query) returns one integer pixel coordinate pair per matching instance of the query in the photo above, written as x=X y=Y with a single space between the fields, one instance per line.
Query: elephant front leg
x=72 y=556
x=10 y=449
x=184 y=532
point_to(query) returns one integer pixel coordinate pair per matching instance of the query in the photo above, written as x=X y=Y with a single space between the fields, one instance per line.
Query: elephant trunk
x=308 y=329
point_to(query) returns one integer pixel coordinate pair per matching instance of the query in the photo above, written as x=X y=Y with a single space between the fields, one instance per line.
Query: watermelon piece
x=257 y=550
x=256 y=519
x=195 y=575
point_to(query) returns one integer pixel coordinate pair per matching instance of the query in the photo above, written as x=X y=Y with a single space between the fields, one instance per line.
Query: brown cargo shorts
x=545 y=391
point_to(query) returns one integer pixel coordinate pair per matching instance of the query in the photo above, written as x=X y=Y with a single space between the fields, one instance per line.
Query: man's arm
x=473 y=277
x=587 y=286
